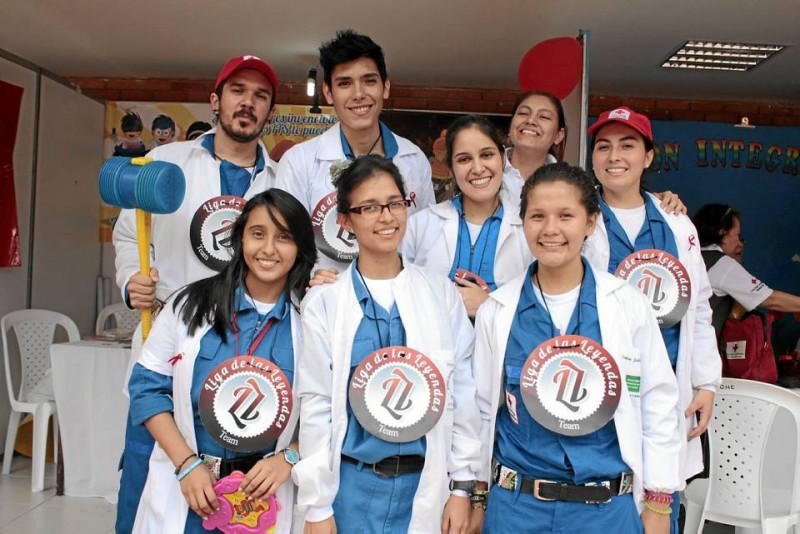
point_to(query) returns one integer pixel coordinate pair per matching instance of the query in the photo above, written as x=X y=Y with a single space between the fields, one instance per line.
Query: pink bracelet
x=658 y=497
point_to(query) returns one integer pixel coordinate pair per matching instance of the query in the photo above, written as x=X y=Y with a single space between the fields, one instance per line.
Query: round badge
x=571 y=385
x=331 y=239
x=397 y=394
x=245 y=403
x=211 y=228
x=664 y=281
x=472 y=277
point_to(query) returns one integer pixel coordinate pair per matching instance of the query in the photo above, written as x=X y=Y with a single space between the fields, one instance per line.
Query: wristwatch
x=291 y=456
x=464 y=485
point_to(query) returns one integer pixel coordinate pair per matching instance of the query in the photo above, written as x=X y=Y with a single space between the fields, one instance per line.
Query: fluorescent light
x=715 y=55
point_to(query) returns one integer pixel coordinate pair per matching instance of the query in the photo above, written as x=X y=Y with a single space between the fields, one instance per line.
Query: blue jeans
x=520 y=513
x=135 y=464
x=368 y=503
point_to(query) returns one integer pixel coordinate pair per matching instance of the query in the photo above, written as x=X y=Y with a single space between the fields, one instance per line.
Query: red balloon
x=553 y=65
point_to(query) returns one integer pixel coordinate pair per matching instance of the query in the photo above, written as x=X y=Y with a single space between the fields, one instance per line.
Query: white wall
x=66 y=254
x=66 y=251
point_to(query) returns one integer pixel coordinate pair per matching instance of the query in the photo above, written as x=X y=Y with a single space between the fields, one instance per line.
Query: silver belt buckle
x=536 y=489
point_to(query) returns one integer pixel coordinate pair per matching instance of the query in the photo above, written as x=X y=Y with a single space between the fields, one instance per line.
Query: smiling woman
x=633 y=224
x=549 y=412
x=475 y=238
x=246 y=314
x=377 y=452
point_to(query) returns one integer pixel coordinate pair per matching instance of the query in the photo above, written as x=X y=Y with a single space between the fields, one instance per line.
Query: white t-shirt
x=381 y=291
x=560 y=306
x=262 y=308
x=631 y=220
x=728 y=277
x=474 y=232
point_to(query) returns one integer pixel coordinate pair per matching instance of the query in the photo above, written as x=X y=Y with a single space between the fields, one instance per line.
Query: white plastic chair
x=34 y=330
x=124 y=318
x=736 y=492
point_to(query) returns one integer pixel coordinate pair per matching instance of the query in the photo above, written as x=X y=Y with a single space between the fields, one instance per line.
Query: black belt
x=243 y=464
x=392 y=466
x=547 y=490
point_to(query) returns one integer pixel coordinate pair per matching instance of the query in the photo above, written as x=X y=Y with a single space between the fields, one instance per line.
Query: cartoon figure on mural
x=163 y=130
x=131 y=145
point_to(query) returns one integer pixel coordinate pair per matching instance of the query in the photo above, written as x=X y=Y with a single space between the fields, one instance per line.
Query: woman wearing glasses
x=390 y=425
x=475 y=238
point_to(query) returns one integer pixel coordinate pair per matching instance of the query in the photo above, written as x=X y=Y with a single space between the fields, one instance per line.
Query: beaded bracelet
x=660 y=511
x=658 y=497
x=178 y=469
x=189 y=469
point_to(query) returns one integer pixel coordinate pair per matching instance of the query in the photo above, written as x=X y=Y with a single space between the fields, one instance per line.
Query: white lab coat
x=305 y=172
x=699 y=365
x=163 y=508
x=435 y=324
x=171 y=249
x=431 y=240
x=647 y=423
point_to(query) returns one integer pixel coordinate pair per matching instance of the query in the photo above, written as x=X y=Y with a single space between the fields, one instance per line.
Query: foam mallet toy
x=149 y=186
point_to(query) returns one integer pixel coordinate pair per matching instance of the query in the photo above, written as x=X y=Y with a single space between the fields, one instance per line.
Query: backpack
x=745 y=343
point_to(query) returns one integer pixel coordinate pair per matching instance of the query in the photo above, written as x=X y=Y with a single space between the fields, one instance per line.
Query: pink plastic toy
x=238 y=514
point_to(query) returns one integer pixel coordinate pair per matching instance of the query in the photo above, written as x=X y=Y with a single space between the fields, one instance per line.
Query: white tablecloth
x=88 y=378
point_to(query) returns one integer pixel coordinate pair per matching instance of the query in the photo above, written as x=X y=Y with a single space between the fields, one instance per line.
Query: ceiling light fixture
x=311 y=82
x=715 y=55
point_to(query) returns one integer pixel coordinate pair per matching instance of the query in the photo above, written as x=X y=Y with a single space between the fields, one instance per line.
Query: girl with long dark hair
x=213 y=383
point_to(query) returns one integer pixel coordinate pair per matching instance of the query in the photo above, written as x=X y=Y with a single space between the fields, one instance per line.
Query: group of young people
x=468 y=366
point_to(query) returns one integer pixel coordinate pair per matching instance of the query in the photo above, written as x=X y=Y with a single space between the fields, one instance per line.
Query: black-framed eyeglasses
x=374 y=210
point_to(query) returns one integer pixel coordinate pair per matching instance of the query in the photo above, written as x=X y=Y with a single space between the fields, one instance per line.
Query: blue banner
x=755 y=170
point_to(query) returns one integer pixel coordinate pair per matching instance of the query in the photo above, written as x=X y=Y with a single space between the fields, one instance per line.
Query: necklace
x=380 y=136
x=374 y=310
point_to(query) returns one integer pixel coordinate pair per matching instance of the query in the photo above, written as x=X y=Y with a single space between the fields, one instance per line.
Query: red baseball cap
x=626 y=116
x=235 y=64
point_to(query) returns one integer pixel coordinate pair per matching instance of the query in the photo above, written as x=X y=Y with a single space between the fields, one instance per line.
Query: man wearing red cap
x=223 y=167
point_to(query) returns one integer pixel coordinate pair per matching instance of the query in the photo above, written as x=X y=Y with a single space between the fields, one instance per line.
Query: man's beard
x=238 y=137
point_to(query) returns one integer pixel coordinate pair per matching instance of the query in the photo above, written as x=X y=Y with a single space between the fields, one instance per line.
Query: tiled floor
x=24 y=512
x=32 y=513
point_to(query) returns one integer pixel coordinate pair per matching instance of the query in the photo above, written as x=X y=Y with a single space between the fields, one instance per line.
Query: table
x=88 y=379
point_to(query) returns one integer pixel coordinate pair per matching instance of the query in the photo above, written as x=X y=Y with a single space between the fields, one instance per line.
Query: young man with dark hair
x=223 y=167
x=355 y=84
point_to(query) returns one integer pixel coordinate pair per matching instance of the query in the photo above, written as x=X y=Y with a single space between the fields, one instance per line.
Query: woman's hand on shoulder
x=671 y=203
x=323 y=276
